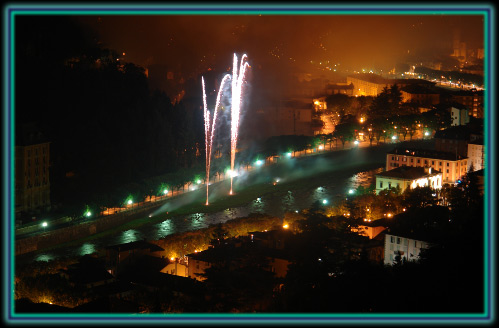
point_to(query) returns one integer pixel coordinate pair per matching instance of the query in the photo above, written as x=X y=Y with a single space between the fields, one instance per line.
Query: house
x=269 y=246
x=122 y=255
x=422 y=95
x=452 y=166
x=459 y=115
x=32 y=175
x=454 y=139
x=87 y=273
x=404 y=177
x=476 y=155
x=403 y=245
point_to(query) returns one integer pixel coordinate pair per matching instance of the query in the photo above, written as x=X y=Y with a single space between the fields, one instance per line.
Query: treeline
x=106 y=127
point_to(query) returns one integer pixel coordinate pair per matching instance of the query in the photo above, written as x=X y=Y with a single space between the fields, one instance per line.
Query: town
x=268 y=179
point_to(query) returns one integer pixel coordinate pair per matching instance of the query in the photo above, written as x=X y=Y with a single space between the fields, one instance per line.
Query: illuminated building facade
x=473 y=100
x=451 y=166
x=408 y=249
x=420 y=95
x=408 y=177
x=32 y=179
x=459 y=116
x=476 y=155
x=373 y=85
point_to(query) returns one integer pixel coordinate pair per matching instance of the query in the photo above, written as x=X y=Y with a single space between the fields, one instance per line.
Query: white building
x=459 y=116
x=476 y=151
x=404 y=177
x=408 y=248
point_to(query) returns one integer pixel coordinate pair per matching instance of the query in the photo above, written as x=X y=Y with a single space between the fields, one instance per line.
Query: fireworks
x=209 y=132
x=237 y=83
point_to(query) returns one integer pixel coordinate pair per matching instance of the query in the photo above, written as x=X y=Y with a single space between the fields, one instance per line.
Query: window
x=415 y=243
x=425 y=161
x=397 y=158
x=381 y=184
x=392 y=239
x=447 y=164
x=412 y=160
x=405 y=159
x=393 y=157
x=447 y=170
x=398 y=240
x=440 y=163
x=389 y=185
x=419 y=161
x=432 y=162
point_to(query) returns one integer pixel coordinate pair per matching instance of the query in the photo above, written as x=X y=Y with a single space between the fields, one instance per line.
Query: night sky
x=372 y=41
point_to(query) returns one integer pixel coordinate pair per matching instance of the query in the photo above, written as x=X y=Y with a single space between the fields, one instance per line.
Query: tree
x=420 y=197
x=345 y=131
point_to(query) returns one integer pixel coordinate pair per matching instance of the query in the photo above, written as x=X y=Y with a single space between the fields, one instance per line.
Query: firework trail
x=209 y=132
x=237 y=83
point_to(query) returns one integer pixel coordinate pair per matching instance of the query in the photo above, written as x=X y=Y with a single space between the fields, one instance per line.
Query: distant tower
x=456 y=43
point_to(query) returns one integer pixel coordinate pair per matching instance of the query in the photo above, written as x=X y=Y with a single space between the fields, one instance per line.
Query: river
x=316 y=178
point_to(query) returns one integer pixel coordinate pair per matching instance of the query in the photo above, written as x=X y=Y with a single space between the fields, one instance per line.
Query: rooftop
x=408 y=173
x=458 y=132
x=425 y=153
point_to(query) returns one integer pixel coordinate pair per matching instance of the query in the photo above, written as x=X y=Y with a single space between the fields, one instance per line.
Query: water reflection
x=257 y=206
x=288 y=202
x=87 y=249
x=197 y=220
x=44 y=258
x=164 y=229
x=364 y=179
x=129 y=236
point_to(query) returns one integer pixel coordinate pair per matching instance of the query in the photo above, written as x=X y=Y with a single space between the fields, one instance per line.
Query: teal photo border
x=11 y=11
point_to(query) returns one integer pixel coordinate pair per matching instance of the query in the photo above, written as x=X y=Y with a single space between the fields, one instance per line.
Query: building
x=459 y=115
x=118 y=257
x=455 y=139
x=451 y=165
x=408 y=248
x=421 y=95
x=404 y=177
x=340 y=88
x=476 y=155
x=373 y=85
x=270 y=245
x=472 y=99
x=32 y=177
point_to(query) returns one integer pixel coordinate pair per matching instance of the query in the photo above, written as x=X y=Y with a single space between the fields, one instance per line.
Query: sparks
x=237 y=82
x=209 y=132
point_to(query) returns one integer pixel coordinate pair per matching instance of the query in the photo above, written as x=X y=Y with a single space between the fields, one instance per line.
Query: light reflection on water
x=87 y=248
x=197 y=220
x=129 y=236
x=44 y=258
x=164 y=229
x=363 y=178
